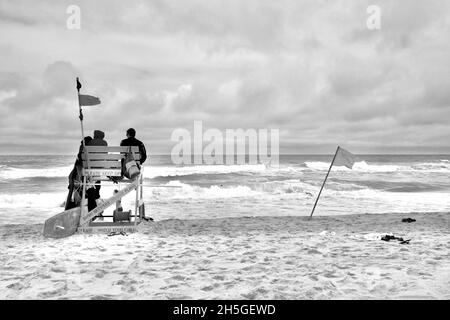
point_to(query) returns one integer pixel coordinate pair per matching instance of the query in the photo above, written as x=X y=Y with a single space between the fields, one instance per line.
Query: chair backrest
x=102 y=162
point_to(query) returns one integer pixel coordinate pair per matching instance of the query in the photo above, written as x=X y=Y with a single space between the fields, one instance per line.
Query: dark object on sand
x=408 y=220
x=117 y=233
x=389 y=237
x=120 y=215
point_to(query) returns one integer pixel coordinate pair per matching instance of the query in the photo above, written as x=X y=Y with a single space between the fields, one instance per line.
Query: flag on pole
x=86 y=100
x=344 y=158
x=341 y=158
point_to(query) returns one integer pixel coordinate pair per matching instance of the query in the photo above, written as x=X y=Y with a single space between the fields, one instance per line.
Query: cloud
x=310 y=68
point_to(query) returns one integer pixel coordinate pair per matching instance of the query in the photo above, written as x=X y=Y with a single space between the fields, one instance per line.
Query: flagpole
x=323 y=184
x=83 y=196
x=81 y=112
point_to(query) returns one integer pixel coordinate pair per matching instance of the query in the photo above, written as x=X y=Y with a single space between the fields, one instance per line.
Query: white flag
x=344 y=158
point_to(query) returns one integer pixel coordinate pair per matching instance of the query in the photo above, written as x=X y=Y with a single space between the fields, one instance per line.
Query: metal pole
x=81 y=122
x=81 y=112
x=83 y=197
x=323 y=184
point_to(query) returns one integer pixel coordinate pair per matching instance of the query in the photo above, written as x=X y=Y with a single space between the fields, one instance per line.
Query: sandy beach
x=340 y=257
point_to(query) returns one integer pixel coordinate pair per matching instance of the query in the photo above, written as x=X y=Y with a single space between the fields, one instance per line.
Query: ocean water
x=33 y=188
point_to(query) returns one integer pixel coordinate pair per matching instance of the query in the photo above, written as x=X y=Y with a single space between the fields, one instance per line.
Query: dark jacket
x=87 y=140
x=136 y=143
x=98 y=139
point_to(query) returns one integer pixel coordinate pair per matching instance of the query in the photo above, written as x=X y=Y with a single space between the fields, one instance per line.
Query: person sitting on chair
x=94 y=193
x=98 y=139
x=132 y=141
x=74 y=195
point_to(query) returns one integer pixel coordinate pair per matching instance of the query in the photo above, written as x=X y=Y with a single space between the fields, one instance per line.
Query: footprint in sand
x=200 y=269
x=330 y=275
x=57 y=269
x=102 y=297
x=15 y=286
x=100 y=274
x=249 y=296
x=211 y=287
x=208 y=288
x=178 y=278
x=54 y=293
x=149 y=274
x=248 y=268
x=170 y=286
x=314 y=277
x=343 y=267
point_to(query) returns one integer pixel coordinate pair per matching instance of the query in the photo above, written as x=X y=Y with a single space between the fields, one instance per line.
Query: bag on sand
x=130 y=168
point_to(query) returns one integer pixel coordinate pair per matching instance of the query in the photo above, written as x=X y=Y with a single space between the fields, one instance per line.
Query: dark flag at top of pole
x=84 y=100
x=342 y=157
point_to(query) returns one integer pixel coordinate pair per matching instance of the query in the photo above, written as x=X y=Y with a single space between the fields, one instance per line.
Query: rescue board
x=63 y=224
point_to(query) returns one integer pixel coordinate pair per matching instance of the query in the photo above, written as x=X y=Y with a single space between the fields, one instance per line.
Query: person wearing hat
x=94 y=193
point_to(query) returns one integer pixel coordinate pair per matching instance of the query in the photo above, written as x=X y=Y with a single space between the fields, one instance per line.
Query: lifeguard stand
x=104 y=163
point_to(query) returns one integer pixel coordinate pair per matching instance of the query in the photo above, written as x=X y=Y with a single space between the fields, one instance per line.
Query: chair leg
x=83 y=199
x=136 y=205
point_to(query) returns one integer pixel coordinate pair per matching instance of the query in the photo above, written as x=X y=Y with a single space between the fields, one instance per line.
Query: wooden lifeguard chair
x=104 y=164
x=100 y=163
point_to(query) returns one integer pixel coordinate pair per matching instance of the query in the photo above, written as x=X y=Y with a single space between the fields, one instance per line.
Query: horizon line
x=246 y=154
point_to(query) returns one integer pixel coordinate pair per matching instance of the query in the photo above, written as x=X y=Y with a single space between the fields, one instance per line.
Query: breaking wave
x=45 y=200
x=153 y=172
x=150 y=171
x=443 y=166
x=20 y=173
x=362 y=166
x=187 y=191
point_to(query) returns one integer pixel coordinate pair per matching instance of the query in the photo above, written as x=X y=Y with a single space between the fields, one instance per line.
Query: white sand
x=241 y=258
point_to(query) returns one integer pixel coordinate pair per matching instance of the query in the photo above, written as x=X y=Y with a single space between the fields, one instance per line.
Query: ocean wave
x=401 y=199
x=291 y=188
x=276 y=197
x=442 y=166
x=151 y=172
x=187 y=191
x=20 y=173
x=358 y=166
x=45 y=200
x=155 y=171
x=363 y=166
x=294 y=188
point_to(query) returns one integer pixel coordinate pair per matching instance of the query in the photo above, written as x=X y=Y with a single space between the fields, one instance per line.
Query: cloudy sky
x=312 y=69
